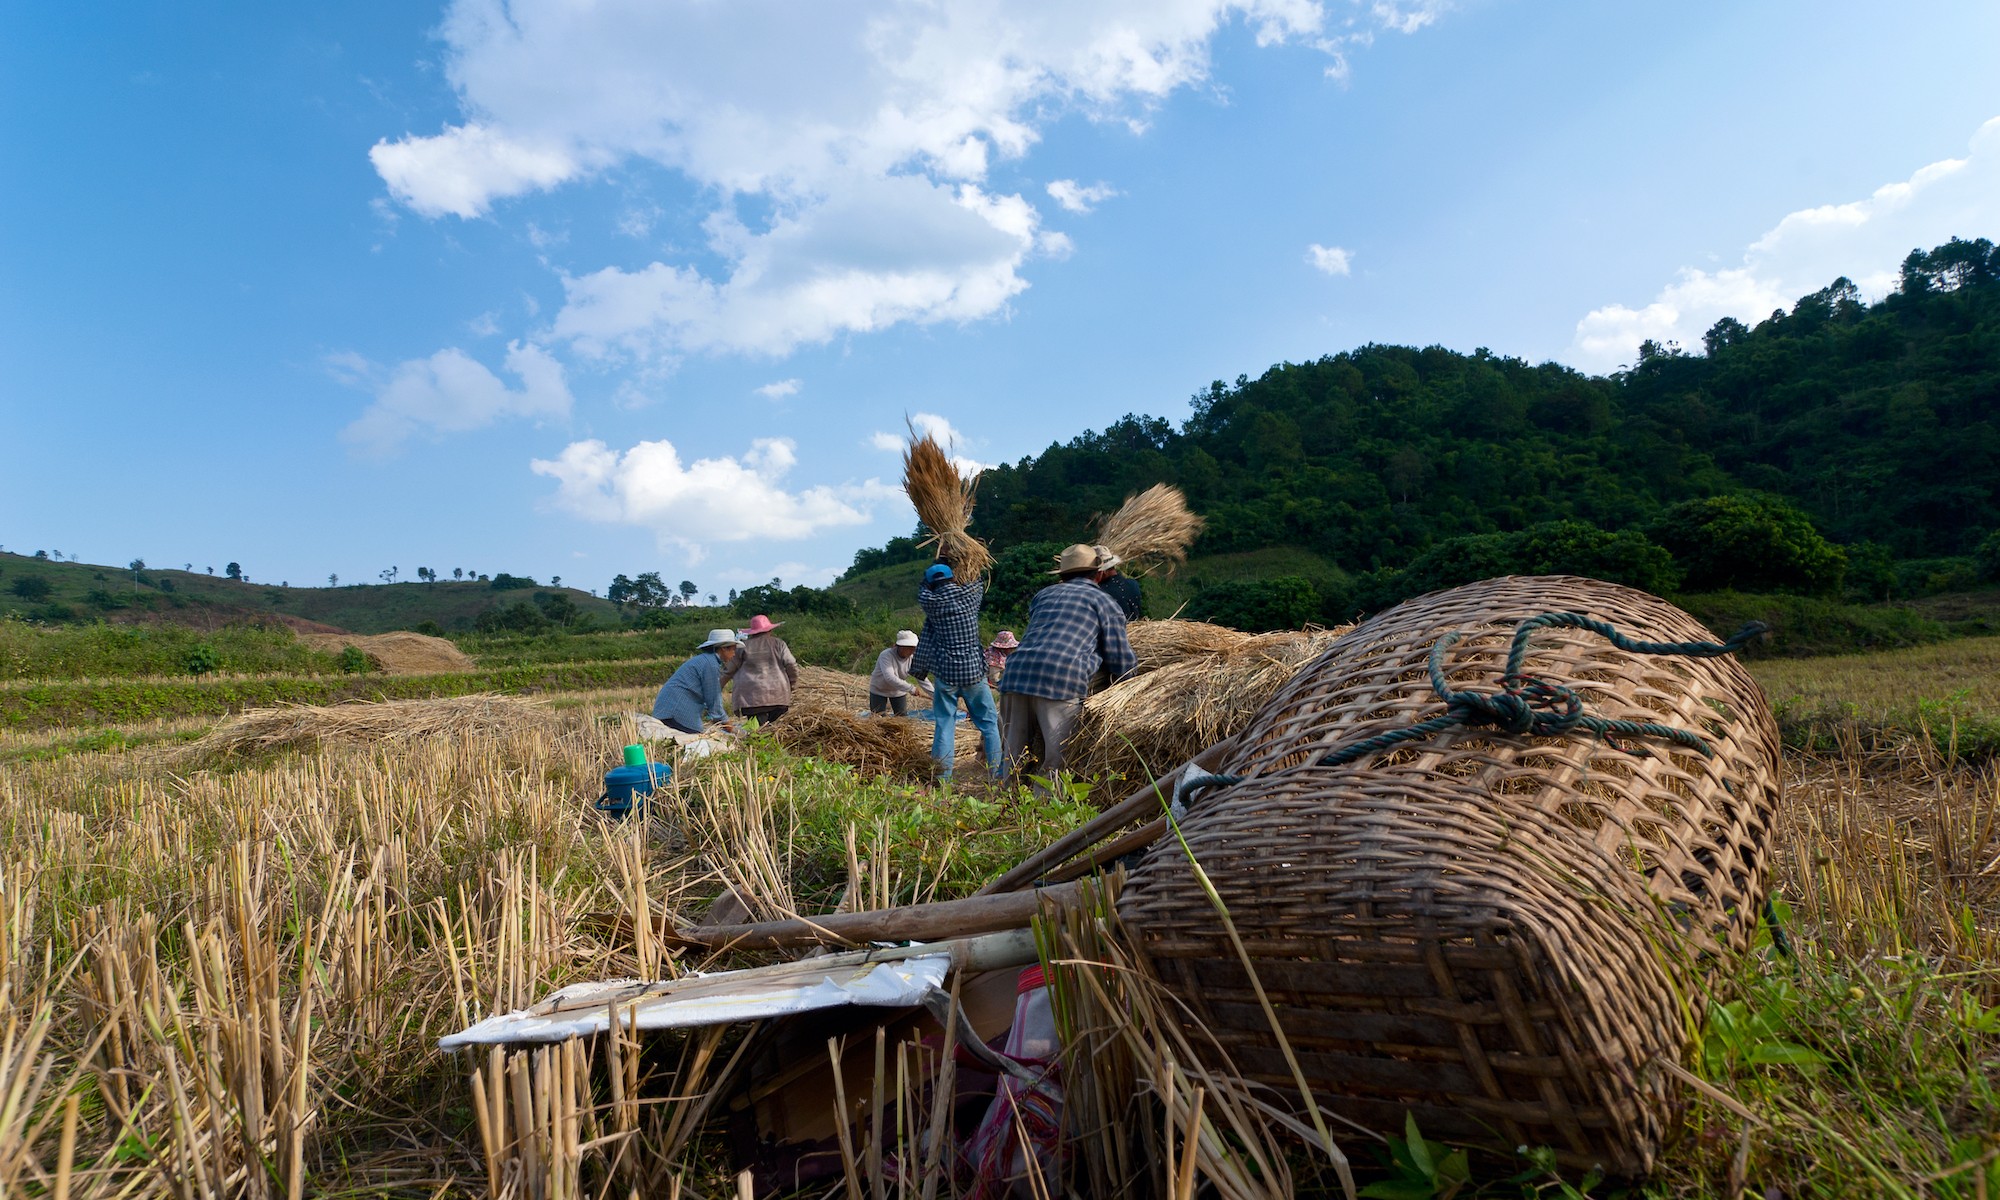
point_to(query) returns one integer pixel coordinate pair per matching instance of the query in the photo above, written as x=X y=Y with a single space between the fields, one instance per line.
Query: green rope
x=1525 y=705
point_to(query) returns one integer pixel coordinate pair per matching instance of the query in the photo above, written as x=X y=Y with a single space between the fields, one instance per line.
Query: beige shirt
x=764 y=673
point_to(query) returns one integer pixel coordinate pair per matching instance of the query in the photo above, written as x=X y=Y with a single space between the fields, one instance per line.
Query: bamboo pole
x=1150 y=799
x=940 y=921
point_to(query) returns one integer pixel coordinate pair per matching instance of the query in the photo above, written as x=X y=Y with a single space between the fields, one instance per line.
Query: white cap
x=905 y=637
x=719 y=637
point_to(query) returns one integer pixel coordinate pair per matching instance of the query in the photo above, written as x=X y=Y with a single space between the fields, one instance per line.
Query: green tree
x=1259 y=605
x=233 y=570
x=1750 y=543
x=31 y=587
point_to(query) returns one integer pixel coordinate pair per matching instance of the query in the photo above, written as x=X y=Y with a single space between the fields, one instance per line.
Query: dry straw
x=1151 y=530
x=398 y=653
x=305 y=726
x=943 y=500
x=1197 y=684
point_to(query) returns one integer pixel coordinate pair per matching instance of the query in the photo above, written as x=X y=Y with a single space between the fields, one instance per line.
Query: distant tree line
x=1838 y=446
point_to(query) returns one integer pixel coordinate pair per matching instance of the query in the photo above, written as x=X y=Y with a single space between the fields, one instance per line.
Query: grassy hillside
x=70 y=591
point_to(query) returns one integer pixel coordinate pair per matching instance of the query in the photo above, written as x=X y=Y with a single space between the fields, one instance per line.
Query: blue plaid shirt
x=949 y=645
x=1073 y=628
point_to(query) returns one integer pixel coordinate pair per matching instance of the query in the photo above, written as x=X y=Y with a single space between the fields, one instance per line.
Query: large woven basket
x=1505 y=936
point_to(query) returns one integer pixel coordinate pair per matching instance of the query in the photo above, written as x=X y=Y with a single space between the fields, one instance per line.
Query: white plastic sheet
x=719 y=999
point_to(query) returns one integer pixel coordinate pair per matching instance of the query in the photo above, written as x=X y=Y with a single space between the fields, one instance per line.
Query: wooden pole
x=1146 y=801
x=1111 y=851
x=942 y=921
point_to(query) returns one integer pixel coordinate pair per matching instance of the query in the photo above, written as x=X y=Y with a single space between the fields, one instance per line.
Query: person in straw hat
x=693 y=693
x=948 y=651
x=889 y=684
x=996 y=655
x=764 y=672
x=1073 y=629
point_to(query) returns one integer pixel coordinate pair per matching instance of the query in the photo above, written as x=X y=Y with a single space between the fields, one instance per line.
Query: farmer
x=764 y=672
x=693 y=693
x=889 y=686
x=1122 y=588
x=996 y=655
x=1073 y=629
x=949 y=653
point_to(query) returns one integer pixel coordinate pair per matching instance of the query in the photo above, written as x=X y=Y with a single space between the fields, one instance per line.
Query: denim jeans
x=944 y=723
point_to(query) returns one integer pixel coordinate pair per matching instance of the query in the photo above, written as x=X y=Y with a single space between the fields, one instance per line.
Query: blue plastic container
x=626 y=788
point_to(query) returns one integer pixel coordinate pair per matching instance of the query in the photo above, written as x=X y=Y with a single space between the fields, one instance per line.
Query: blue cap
x=935 y=572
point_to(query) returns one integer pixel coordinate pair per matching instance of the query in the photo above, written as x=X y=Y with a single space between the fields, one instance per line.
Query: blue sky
x=576 y=290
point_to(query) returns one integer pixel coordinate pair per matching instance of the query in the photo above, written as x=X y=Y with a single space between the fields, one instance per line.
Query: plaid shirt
x=949 y=645
x=1073 y=628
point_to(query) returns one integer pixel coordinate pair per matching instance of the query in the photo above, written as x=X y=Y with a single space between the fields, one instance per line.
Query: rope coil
x=1526 y=705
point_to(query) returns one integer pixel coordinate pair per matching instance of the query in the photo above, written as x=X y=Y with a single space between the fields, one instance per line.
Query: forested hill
x=1881 y=421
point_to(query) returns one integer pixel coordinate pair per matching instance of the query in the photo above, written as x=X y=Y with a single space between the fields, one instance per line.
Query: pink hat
x=1006 y=640
x=761 y=624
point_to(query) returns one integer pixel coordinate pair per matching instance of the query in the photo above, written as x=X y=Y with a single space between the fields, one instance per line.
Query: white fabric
x=722 y=999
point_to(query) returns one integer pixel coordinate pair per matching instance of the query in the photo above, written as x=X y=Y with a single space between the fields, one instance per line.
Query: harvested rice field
x=228 y=951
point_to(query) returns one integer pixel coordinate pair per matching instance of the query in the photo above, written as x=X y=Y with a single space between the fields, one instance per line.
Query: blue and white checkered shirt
x=1073 y=628
x=949 y=645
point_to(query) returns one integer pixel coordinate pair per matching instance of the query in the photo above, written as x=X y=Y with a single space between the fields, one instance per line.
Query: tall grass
x=231 y=982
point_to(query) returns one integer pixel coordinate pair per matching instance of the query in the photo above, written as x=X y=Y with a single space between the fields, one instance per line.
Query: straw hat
x=905 y=637
x=1106 y=559
x=1006 y=640
x=718 y=637
x=761 y=624
x=1076 y=558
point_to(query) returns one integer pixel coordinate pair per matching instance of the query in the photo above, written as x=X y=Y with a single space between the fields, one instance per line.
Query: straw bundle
x=819 y=687
x=943 y=500
x=1155 y=720
x=306 y=726
x=399 y=653
x=890 y=746
x=1152 y=529
x=1160 y=643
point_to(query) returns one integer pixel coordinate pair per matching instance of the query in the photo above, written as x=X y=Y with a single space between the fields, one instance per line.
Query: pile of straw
x=829 y=720
x=261 y=731
x=821 y=688
x=892 y=746
x=396 y=653
x=1161 y=717
x=1160 y=643
x=1152 y=529
x=943 y=501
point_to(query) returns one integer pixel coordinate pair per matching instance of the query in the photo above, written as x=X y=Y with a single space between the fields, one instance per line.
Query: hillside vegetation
x=1838 y=449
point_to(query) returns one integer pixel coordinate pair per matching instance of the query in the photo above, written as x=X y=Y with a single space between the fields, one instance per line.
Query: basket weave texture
x=1505 y=936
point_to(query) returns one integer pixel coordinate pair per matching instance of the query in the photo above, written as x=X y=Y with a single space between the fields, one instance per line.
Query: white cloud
x=779 y=390
x=1865 y=240
x=708 y=501
x=1331 y=259
x=449 y=392
x=860 y=136
x=1078 y=199
x=938 y=427
x=486 y=324
x=464 y=169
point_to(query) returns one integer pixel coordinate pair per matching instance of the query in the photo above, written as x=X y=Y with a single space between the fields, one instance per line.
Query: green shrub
x=1018 y=572
x=1988 y=558
x=31 y=588
x=1933 y=576
x=1750 y=543
x=429 y=629
x=354 y=662
x=518 y=617
x=505 y=582
x=1551 y=548
x=1258 y=605
x=1803 y=626
x=201 y=659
